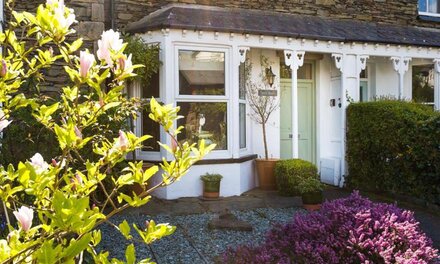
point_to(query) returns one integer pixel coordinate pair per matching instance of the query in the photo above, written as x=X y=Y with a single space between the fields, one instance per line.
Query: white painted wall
x=329 y=118
x=273 y=125
x=237 y=178
x=387 y=79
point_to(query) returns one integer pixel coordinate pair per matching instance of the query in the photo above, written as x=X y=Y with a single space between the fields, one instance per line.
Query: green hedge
x=289 y=173
x=394 y=146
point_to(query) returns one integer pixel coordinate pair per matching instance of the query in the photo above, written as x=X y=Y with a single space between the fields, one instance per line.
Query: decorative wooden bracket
x=362 y=62
x=294 y=59
x=242 y=53
x=339 y=61
x=401 y=64
x=437 y=65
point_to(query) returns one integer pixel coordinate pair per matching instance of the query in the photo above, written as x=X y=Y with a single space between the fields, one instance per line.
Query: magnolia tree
x=57 y=222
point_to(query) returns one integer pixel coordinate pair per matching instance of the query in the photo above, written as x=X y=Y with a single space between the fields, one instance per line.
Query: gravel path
x=193 y=242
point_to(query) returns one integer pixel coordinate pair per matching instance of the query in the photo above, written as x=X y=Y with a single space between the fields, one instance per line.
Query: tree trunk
x=264 y=140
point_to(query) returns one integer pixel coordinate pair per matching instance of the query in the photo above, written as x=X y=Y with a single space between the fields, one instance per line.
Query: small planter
x=312 y=200
x=211 y=185
x=311 y=193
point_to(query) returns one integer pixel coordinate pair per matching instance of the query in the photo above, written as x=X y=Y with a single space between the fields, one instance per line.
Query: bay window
x=202 y=97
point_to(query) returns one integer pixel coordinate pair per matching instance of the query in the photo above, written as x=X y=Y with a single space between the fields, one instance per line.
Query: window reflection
x=204 y=121
x=201 y=73
x=423 y=83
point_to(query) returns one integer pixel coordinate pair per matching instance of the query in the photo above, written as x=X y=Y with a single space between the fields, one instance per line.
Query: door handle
x=290 y=136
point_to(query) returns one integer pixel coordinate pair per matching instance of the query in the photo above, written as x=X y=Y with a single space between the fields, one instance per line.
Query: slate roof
x=208 y=18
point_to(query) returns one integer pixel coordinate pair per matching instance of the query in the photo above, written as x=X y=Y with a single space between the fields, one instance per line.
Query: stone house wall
x=94 y=16
x=398 y=12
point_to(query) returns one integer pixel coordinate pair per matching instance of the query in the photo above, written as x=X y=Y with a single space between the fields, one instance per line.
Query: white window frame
x=426 y=13
x=215 y=154
x=246 y=150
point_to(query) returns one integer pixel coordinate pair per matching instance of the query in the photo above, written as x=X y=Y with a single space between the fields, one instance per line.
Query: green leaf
x=75 y=45
x=125 y=229
x=130 y=254
x=77 y=246
x=47 y=254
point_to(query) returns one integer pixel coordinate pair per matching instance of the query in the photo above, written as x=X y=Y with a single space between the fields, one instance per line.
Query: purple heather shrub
x=348 y=230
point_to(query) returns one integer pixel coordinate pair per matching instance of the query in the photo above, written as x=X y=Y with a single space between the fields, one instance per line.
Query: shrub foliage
x=349 y=230
x=393 y=146
x=289 y=174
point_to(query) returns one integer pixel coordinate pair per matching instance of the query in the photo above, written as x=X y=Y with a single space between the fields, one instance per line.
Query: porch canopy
x=245 y=21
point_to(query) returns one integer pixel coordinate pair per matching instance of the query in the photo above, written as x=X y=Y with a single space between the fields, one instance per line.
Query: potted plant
x=311 y=193
x=211 y=185
x=263 y=100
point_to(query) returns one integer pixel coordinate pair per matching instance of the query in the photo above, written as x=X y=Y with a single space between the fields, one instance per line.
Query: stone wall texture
x=94 y=16
x=398 y=12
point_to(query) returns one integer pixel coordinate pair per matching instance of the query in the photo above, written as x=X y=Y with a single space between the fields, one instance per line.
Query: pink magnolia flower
x=86 y=61
x=174 y=144
x=38 y=163
x=24 y=216
x=109 y=44
x=3 y=68
x=125 y=64
x=52 y=2
x=78 y=132
x=76 y=180
x=122 y=142
x=64 y=16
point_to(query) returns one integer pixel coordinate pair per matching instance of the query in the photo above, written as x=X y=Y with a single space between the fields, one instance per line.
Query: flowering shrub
x=349 y=230
x=57 y=221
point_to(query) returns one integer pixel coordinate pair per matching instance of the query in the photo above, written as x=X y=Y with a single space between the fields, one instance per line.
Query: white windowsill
x=429 y=14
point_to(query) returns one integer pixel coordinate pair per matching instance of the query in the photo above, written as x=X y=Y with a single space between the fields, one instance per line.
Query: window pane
x=364 y=74
x=363 y=91
x=149 y=127
x=304 y=72
x=242 y=81
x=201 y=73
x=204 y=121
x=242 y=125
x=422 y=6
x=152 y=87
x=432 y=6
x=423 y=83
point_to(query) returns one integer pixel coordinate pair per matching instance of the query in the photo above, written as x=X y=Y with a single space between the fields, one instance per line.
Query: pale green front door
x=306 y=126
x=306 y=122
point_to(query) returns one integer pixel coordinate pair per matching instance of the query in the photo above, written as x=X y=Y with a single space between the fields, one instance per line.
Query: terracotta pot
x=312 y=207
x=211 y=189
x=312 y=201
x=266 y=173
